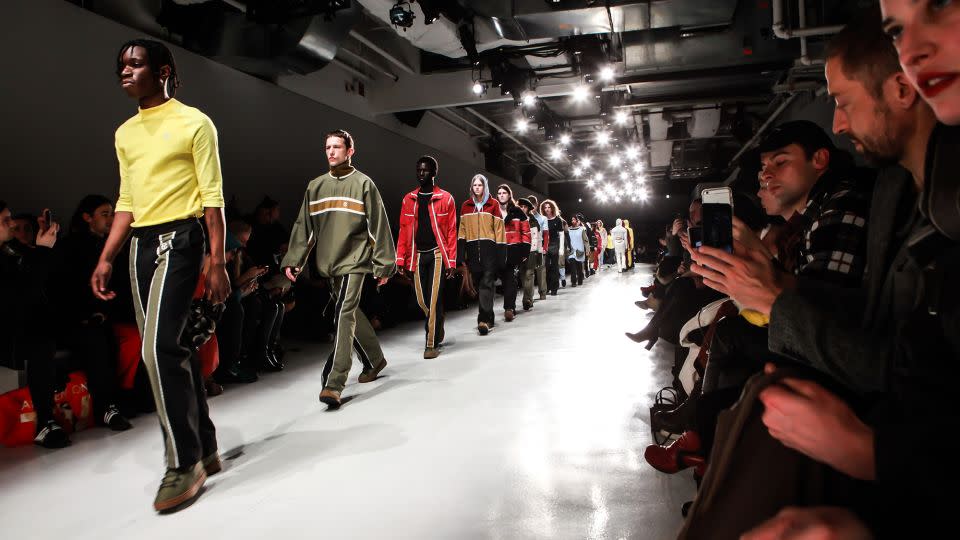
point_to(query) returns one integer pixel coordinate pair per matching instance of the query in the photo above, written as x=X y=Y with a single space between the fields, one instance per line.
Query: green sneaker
x=179 y=487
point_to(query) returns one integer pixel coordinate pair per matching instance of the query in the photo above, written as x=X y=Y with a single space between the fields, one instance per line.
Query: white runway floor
x=534 y=431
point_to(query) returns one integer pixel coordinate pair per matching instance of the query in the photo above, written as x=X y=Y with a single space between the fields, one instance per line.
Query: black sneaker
x=563 y=283
x=52 y=436
x=114 y=420
x=236 y=374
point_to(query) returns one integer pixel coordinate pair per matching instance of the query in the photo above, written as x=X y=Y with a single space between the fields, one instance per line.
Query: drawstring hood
x=486 y=192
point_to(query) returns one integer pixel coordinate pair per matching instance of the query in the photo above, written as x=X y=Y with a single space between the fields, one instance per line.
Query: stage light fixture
x=522 y=126
x=577 y=171
x=638 y=168
x=565 y=139
x=668 y=195
x=603 y=138
x=632 y=152
x=614 y=161
x=556 y=154
x=479 y=88
x=401 y=15
x=621 y=118
x=606 y=74
x=580 y=93
x=585 y=163
x=591 y=183
x=599 y=177
x=624 y=175
x=529 y=99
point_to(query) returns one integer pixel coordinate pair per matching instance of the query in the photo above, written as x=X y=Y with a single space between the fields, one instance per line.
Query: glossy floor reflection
x=534 y=431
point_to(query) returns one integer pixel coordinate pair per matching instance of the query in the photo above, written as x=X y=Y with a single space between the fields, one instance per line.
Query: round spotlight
x=579 y=200
x=624 y=175
x=585 y=163
x=603 y=138
x=522 y=126
x=529 y=98
x=591 y=183
x=606 y=74
x=614 y=161
x=577 y=171
x=599 y=177
x=556 y=153
x=621 y=117
x=565 y=139
x=638 y=168
x=580 y=93
x=477 y=88
x=632 y=152
x=668 y=195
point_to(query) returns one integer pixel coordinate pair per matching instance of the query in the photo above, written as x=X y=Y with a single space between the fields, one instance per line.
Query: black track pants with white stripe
x=353 y=332
x=428 y=284
x=165 y=265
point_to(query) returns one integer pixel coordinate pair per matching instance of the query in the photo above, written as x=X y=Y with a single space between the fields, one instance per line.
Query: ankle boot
x=647 y=334
x=680 y=454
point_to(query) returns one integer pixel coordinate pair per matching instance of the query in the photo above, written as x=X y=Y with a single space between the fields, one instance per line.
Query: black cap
x=522 y=201
x=803 y=132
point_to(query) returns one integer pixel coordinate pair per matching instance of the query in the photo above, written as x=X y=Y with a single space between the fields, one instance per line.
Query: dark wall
x=61 y=104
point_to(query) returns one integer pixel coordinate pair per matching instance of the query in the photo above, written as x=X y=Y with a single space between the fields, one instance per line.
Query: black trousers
x=485 y=282
x=575 y=272
x=428 y=282
x=508 y=278
x=553 y=271
x=94 y=349
x=230 y=334
x=165 y=263
x=37 y=351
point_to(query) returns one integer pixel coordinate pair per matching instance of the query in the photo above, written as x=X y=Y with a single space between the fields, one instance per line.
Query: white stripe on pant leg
x=164 y=416
x=137 y=300
x=339 y=315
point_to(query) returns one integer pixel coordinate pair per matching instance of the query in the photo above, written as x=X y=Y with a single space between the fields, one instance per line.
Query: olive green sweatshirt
x=344 y=219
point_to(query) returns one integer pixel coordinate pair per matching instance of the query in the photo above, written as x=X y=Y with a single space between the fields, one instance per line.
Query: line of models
x=171 y=202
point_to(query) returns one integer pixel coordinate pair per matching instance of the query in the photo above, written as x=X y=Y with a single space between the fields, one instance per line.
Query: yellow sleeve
x=124 y=201
x=206 y=159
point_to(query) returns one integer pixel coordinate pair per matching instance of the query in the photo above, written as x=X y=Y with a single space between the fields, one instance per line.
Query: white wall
x=60 y=105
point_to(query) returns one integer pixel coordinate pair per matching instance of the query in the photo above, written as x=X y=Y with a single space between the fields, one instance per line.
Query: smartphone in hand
x=718 y=218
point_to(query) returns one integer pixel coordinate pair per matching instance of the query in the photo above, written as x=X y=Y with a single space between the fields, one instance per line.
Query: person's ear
x=899 y=90
x=87 y=217
x=821 y=159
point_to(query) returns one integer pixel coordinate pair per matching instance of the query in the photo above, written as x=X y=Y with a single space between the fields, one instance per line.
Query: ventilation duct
x=223 y=31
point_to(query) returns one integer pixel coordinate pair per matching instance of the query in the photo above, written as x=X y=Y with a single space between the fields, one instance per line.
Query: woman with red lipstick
x=926 y=34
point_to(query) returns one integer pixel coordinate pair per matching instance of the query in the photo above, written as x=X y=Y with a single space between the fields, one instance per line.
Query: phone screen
x=696 y=236
x=718 y=226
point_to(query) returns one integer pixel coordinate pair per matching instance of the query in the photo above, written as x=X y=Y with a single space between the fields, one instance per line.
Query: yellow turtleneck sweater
x=169 y=164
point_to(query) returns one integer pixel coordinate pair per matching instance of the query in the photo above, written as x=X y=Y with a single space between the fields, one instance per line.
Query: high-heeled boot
x=262 y=352
x=648 y=334
x=680 y=454
x=274 y=341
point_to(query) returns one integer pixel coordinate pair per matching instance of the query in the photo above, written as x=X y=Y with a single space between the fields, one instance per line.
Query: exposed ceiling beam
x=386 y=55
x=544 y=164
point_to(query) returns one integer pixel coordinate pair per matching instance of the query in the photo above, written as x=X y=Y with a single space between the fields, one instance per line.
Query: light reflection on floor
x=535 y=431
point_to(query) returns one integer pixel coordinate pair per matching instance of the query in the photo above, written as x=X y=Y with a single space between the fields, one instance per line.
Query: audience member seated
x=84 y=328
x=26 y=335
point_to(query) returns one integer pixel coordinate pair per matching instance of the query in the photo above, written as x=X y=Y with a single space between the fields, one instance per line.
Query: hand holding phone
x=718 y=218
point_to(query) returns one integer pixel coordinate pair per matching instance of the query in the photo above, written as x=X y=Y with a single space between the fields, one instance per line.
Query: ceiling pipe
x=781 y=31
x=350 y=69
x=375 y=48
x=756 y=136
x=448 y=122
x=369 y=63
x=483 y=132
x=541 y=162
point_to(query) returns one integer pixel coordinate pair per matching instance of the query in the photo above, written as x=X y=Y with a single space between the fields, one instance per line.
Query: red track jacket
x=443 y=217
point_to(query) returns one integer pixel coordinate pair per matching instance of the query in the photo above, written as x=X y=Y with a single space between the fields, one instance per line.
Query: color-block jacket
x=516 y=227
x=482 y=241
x=344 y=219
x=443 y=218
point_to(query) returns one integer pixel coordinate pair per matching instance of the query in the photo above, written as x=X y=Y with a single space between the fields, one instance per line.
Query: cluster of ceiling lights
x=624 y=179
x=625 y=167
